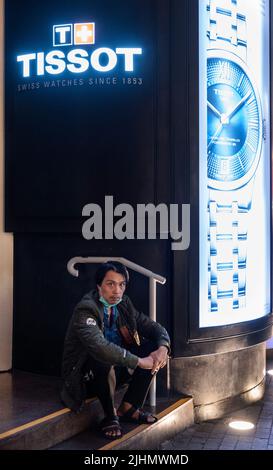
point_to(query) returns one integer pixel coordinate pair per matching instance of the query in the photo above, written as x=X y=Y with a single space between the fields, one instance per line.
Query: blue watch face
x=233 y=121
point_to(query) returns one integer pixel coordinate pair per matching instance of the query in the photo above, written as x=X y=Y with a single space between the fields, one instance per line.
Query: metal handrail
x=153 y=279
x=102 y=259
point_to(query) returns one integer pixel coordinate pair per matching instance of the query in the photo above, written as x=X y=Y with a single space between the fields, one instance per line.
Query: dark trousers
x=106 y=378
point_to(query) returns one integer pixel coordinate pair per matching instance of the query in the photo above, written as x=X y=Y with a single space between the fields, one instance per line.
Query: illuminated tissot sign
x=235 y=170
x=76 y=60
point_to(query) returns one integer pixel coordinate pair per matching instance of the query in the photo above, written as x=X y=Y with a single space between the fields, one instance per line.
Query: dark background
x=67 y=147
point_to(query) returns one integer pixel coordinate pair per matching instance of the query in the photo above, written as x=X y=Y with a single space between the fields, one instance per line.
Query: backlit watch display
x=234 y=121
x=234 y=162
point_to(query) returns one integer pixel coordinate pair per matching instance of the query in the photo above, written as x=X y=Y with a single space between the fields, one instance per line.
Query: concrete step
x=32 y=418
x=173 y=416
x=32 y=415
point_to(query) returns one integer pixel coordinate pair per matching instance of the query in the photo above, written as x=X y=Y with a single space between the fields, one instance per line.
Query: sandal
x=143 y=416
x=109 y=425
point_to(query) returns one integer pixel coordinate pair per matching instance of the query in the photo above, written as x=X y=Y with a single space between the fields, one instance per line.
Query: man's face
x=112 y=287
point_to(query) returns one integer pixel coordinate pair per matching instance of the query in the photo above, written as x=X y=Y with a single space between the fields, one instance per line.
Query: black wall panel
x=67 y=146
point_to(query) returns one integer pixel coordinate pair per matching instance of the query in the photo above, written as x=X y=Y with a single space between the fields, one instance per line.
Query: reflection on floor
x=26 y=397
x=217 y=435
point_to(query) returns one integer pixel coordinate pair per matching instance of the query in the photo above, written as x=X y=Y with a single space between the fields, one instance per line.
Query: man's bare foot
x=110 y=427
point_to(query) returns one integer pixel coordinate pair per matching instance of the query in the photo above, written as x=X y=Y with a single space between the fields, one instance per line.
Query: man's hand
x=159 y=358
x=145 y=362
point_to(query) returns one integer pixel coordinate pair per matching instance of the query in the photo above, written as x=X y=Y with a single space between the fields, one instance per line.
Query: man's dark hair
x=111 y=266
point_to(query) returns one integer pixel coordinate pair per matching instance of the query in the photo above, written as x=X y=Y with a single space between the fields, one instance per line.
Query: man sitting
x=107 y=336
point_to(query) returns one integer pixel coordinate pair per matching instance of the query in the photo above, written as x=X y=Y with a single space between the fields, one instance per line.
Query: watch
x=234 y=143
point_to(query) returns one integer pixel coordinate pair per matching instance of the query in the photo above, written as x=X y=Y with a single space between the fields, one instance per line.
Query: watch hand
x=238 y=106
x=213 y=109
x=217 y=133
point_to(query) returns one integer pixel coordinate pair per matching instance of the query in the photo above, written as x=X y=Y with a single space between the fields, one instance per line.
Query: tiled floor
x=25 y=397
x=217 y=435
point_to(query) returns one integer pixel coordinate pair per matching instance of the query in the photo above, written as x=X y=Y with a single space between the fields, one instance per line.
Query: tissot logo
x=77 y=60
x=78 y=34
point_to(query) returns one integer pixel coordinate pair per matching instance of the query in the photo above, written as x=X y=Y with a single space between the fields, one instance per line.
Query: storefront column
x=6 y=239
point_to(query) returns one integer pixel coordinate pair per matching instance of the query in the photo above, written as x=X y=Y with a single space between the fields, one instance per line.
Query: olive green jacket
x=85 y=336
